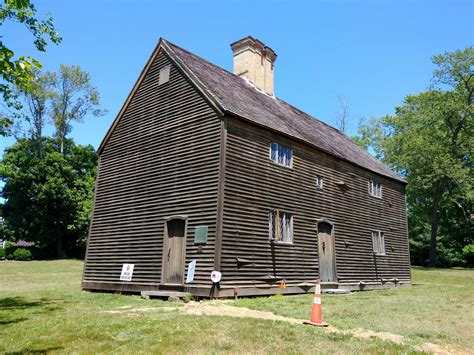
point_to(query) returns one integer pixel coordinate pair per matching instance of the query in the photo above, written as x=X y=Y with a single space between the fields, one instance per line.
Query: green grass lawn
x=42 y=309
x=439 y=308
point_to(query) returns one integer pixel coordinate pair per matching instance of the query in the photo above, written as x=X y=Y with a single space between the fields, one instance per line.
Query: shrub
x=9 y=250
x=2 y=253
x=22 y=254
x=188 y=297
x=468 y=255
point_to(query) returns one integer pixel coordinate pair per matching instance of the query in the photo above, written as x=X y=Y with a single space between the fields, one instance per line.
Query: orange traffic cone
x=316 y=310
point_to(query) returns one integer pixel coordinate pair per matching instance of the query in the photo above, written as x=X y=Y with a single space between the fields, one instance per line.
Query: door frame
x=333 y=240
x=164 y=263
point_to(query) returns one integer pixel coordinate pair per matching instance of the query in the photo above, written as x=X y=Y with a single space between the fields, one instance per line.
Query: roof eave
x=398 y=179
x=130 y=96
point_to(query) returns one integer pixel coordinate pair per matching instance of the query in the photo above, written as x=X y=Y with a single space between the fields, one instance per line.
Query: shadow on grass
x=11 y=321
x=15 y=303
x=14 y=306
x=43 y=350
x=19 y=303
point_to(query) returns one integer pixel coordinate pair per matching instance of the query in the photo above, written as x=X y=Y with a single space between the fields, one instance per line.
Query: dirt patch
x=438 y=350
x=216 y=308
x=221 y=308
x=367 y=334
x=128 y=309
x=434 y=349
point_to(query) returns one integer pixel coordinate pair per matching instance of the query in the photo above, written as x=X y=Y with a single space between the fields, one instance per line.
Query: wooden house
x=205 y=170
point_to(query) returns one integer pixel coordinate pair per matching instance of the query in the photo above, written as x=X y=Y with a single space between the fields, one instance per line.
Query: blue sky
x=373 y=53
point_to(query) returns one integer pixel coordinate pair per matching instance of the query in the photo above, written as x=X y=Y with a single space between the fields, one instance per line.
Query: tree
x=429 y=141
x=369 y=129
x=48 y=199
x=35 y=110
x=18 y=72
x=74 y=98
x=341 y=118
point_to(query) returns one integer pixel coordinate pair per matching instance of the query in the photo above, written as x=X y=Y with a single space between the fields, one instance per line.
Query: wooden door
x=174 y=251
x=327 y=262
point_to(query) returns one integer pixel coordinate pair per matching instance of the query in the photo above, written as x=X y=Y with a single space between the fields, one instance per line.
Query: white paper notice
x=127 y=272
x=191 y=269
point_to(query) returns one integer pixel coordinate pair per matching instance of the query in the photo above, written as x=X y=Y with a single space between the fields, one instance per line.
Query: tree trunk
x=59 y=248
x=434 y=220
x=434 y=232
x=39 y=143
x=61 y=146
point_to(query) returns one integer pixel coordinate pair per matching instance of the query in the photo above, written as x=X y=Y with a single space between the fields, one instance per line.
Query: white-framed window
x=280 y=226
x=164 y=75
x=319 y=182
x=281 y=155
x=375 y=189
x=378 y=242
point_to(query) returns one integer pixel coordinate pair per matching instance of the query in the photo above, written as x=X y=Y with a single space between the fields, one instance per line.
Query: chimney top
x=249 y=40
x=254 y=61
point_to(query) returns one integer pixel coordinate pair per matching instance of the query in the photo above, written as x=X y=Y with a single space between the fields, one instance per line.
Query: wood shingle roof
x=238 y=97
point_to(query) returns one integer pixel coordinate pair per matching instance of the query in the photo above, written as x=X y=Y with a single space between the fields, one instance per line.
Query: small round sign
x=216 y=276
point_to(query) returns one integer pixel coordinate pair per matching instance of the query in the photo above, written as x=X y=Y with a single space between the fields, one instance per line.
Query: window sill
x=376 y=254
x=280 y=243
x=377 y=197
x=282 y=165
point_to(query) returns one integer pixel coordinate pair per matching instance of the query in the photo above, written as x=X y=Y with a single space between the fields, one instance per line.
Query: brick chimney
x=254 y=61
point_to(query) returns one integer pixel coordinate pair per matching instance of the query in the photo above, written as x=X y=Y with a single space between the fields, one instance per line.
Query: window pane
x=378 y=242
x=283 y=227
x=271 y=227
x=319 y=182
x=280 y=226
x=277 y=225
x=273 y=151
x=382 y=243
x=289 y=232
x=289 y=156
x=291 y=229
x=281 y=155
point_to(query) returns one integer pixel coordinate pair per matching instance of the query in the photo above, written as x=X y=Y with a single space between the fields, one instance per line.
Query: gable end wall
x=162 y=159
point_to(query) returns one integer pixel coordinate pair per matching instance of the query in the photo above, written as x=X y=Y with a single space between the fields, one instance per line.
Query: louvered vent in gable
x=164 y=75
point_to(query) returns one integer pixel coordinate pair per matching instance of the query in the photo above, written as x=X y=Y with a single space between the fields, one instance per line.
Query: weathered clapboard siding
x=162 y=159
x=169 y=153
x=254 y=185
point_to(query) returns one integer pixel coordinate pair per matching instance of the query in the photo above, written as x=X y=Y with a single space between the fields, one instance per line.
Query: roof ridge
x=199 y=57
x=262 y=93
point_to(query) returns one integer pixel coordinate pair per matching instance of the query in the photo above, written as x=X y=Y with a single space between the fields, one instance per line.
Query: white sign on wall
x=127 y=272
x=191 y=269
